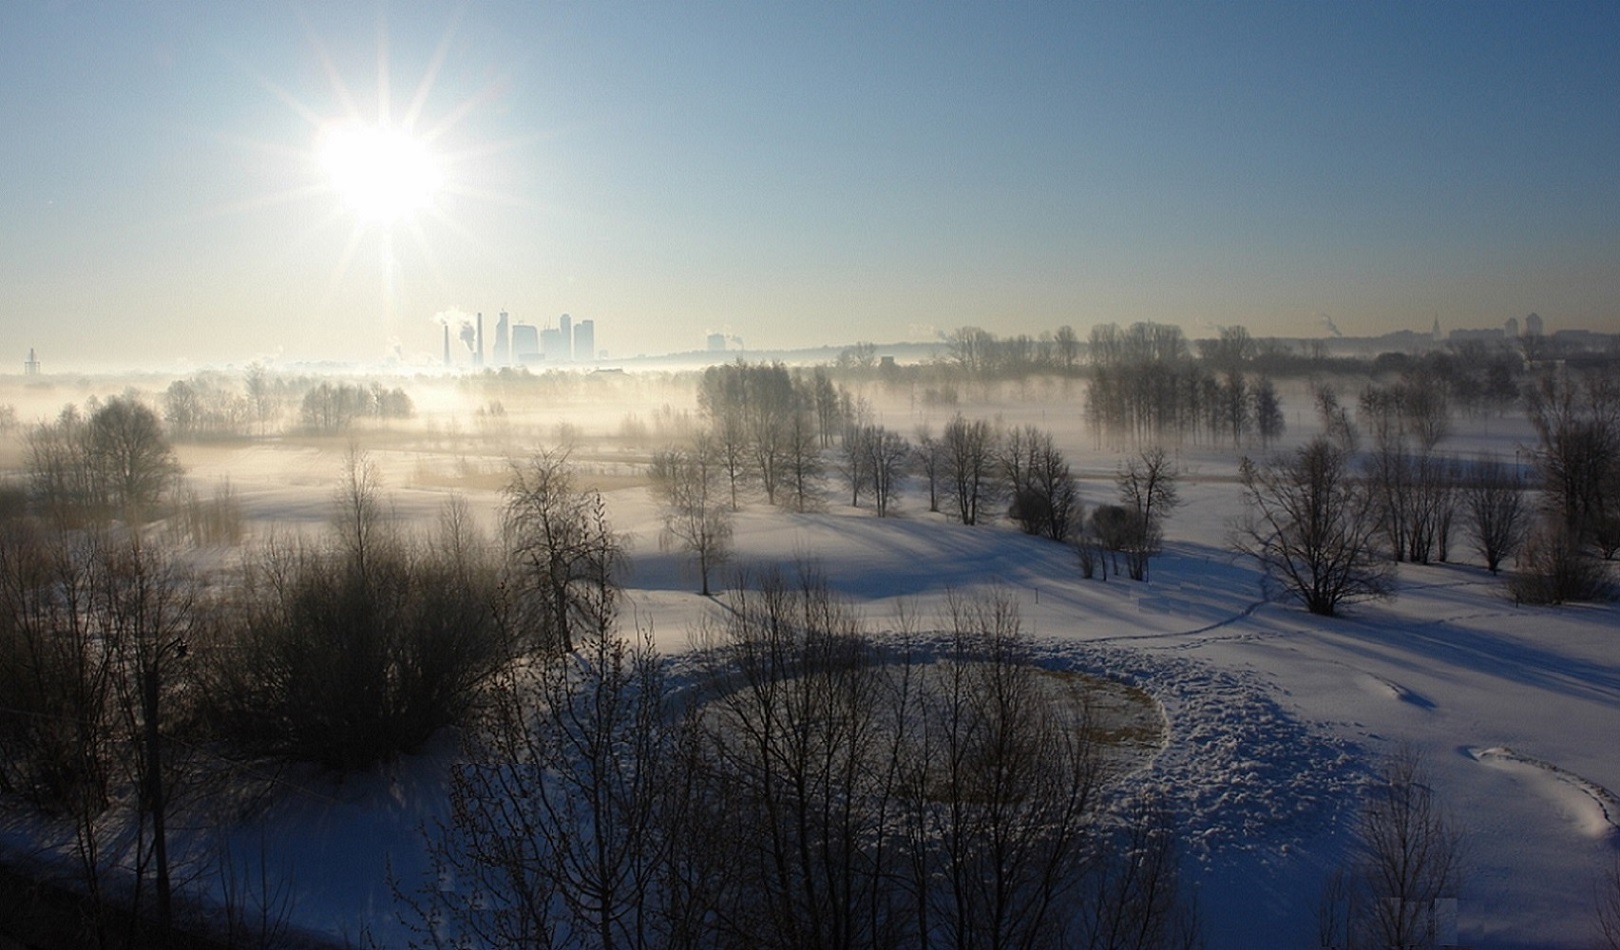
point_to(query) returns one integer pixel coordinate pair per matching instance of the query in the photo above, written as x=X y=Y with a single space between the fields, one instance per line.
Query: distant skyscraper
x=717 y=343
x=1532 y=325
x=31 y=367
x=478 y=351
x=551 y=344
x=565 y=329
x=585 y=341
x=525 y=343
x=503 y=350
x=1511 y=327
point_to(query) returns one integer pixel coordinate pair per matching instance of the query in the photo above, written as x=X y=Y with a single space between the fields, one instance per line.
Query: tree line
x=783 y=435
x=1328 y=522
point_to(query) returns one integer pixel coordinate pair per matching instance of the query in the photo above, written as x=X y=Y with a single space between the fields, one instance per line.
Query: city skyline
x=192 y=184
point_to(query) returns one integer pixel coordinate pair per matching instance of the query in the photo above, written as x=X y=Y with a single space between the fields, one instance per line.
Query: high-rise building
x=565 y=330
x=551 y=344
x=717 y=343
x=525 y=343
x=478 y=351
x=503 y=351
x=585 y=341
x=31 y=367
x=1532 y=325
x=1511 y=328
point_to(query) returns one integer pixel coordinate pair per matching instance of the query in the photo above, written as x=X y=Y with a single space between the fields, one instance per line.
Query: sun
x=382 y=174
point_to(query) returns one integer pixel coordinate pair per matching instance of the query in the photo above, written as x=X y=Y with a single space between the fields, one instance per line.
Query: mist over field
x=1040 y=475
x=360 y=657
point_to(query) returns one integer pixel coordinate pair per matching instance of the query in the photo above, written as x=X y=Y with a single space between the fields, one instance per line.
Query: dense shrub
x=349 y=654
x=1555 y=569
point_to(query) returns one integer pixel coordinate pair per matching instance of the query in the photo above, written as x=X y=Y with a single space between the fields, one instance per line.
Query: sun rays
x=375 y=176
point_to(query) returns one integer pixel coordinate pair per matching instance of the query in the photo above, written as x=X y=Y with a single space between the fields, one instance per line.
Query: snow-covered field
x=1275 y=716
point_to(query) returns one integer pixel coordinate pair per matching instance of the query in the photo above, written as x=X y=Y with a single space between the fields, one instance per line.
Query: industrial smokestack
x=447 y=345
x=478 y=354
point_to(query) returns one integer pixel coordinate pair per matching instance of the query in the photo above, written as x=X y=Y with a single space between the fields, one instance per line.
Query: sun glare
x=382 y=174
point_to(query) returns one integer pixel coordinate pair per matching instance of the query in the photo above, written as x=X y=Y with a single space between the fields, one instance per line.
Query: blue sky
x=802 y=173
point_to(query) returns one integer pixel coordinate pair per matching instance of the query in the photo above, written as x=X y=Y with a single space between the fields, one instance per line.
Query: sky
x=795 y=174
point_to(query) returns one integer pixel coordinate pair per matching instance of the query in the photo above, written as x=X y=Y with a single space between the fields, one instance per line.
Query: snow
x=1276 y=717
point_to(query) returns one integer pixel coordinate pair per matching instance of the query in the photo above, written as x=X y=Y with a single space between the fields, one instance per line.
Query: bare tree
x=1148 y=489
x=931 y=463
x=261 y=393
x=791 y=774
x=559 y=822
x=890 y=453
x=1408 y=867
x=1068 y=348
x=58 y=721
x=969 y=462
x=1578 y=459
x=351 y=651
x=564 y=556
x=1235 y=405
x=1045 y=499
x=131 y=454
x=1555 y=568
x=770 y=411
x=1269 y=422
x=731 y=449
x=1608 y=908
x=115 y=462
x=688 y=481
x=1337 y=425
x=1016 y=787
x=829 y=402
x=856 y=459
x=148 y=615
x=1493 y=499
x=1311 y=525
x=802 y=465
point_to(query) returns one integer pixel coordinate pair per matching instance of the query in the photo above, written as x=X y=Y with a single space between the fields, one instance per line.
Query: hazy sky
x=799 y=173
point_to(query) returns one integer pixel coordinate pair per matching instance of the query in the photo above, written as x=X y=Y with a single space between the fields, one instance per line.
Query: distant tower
x=585 y=341
x=31 y=367
x=503 y=346
x=565 y=329
x=478 y=351
x=1532 y=325
x=447 y=344
x=1510 y=329
x=1437 y=336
